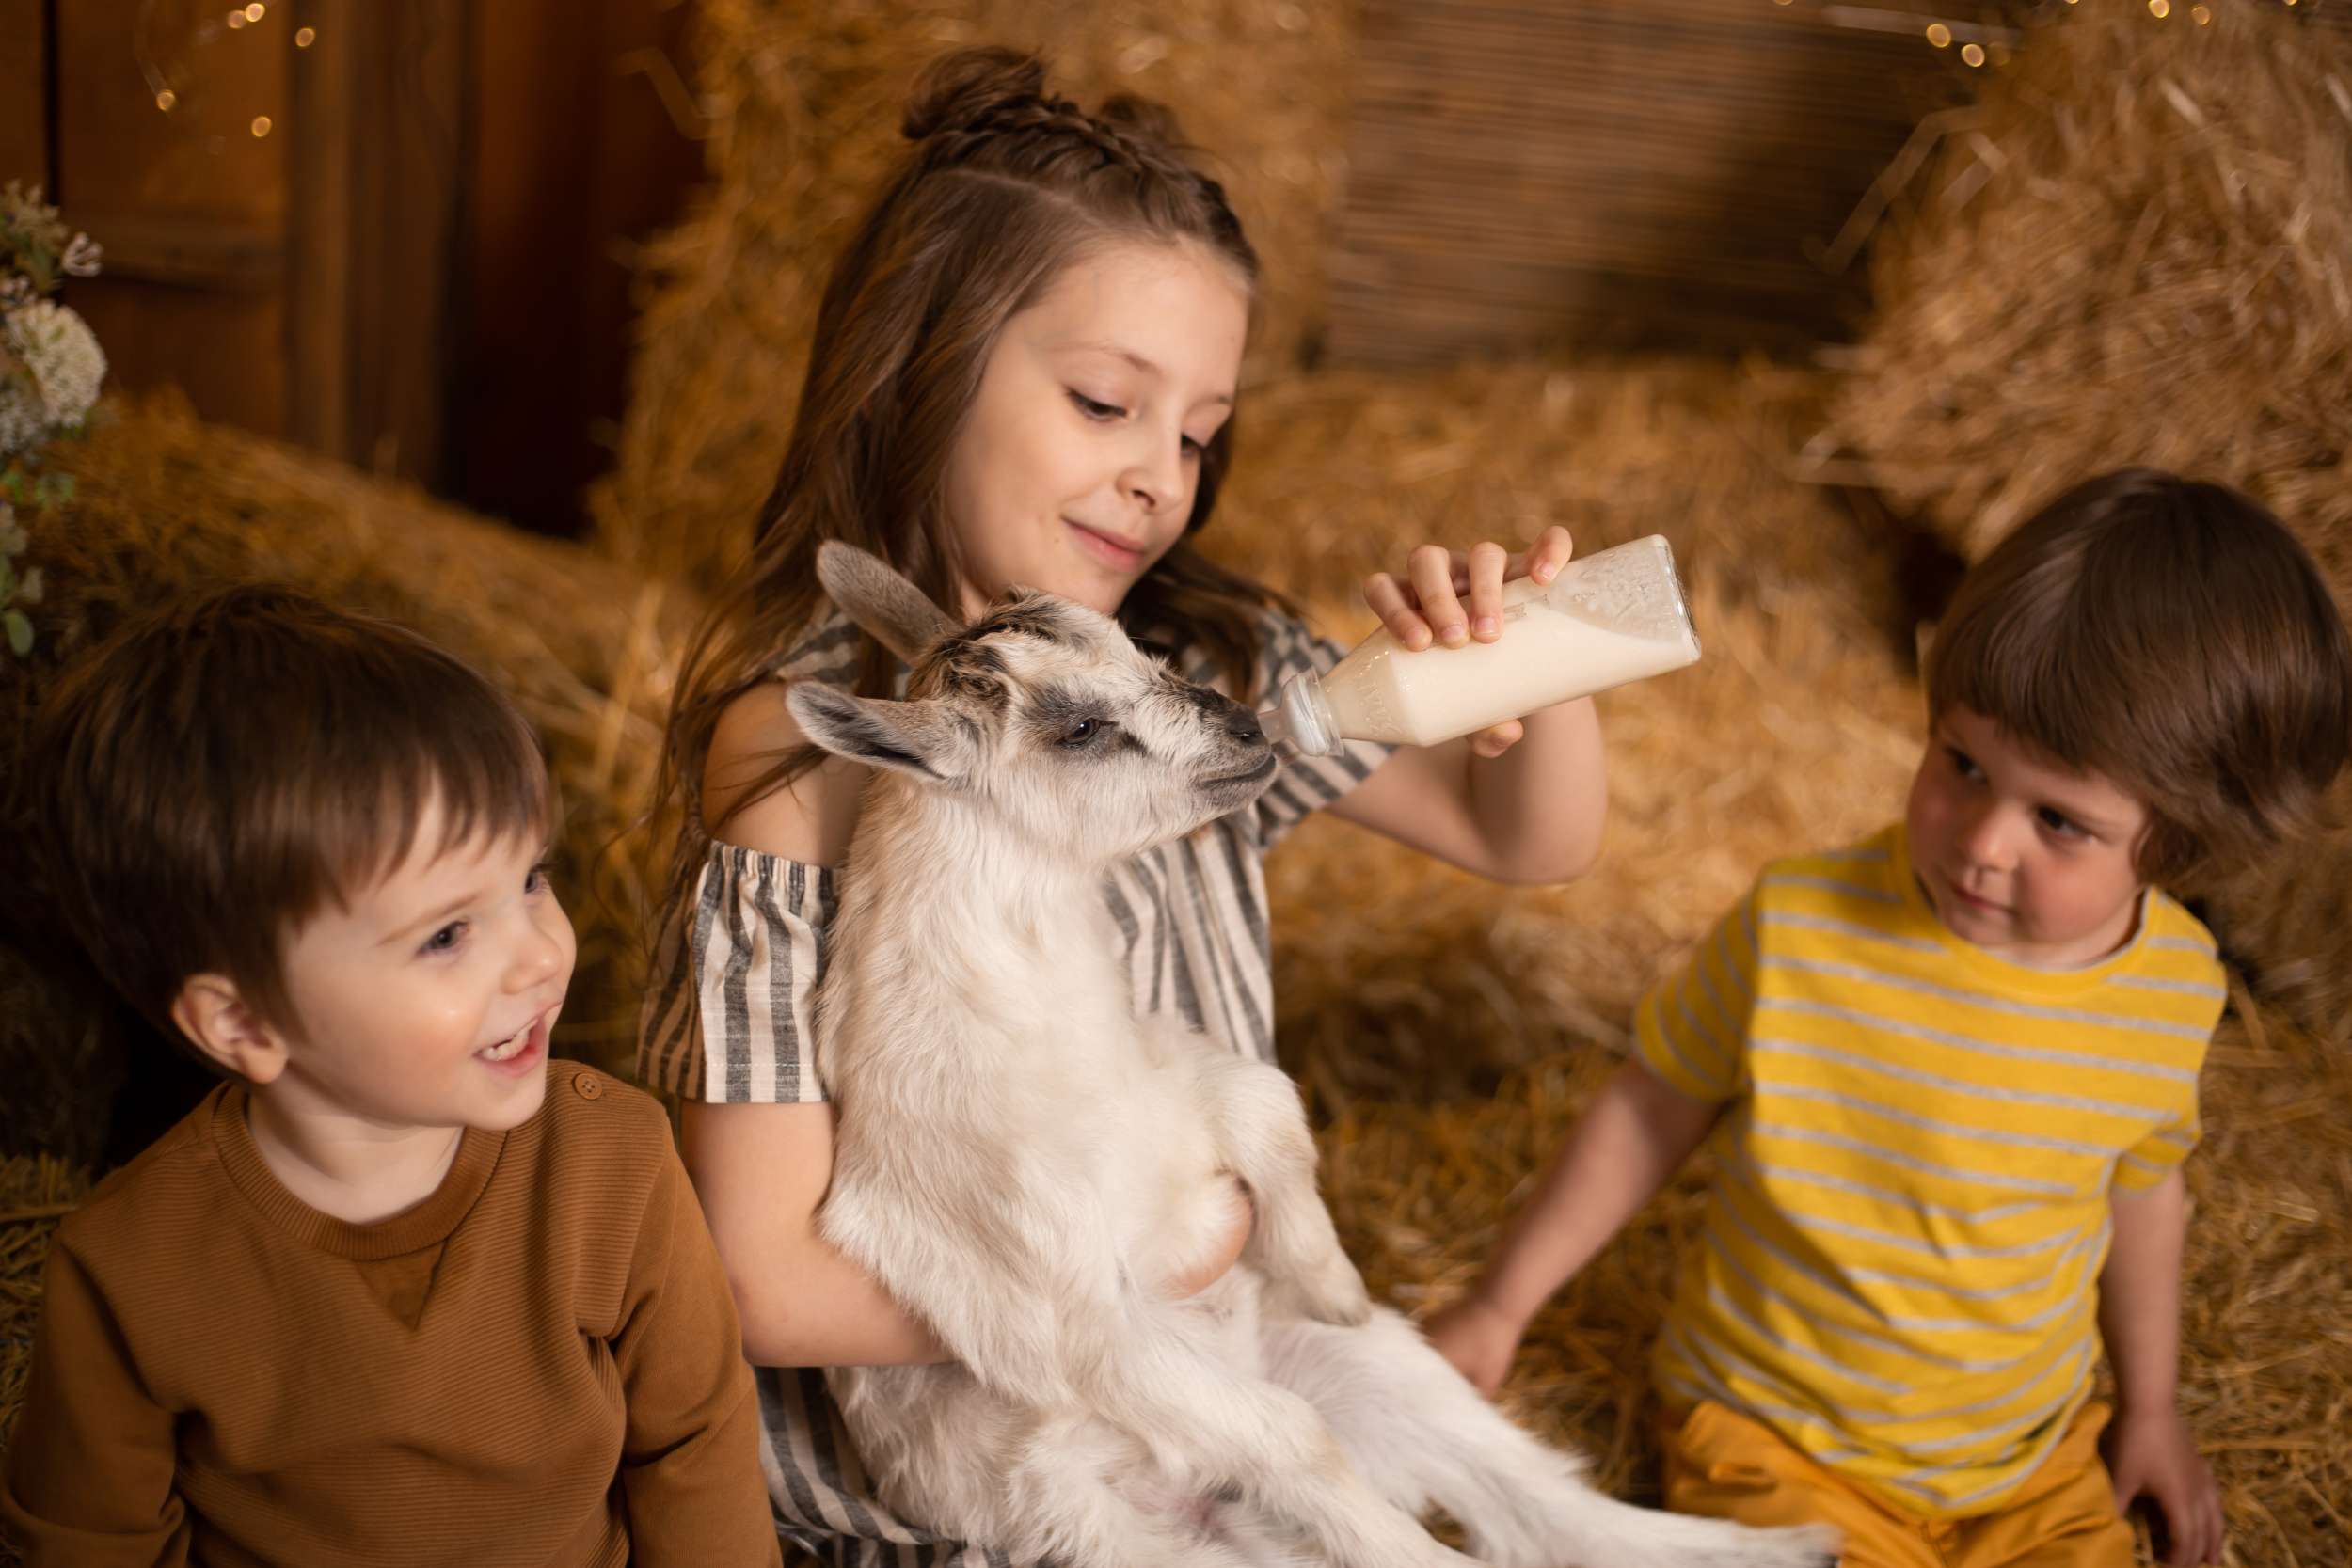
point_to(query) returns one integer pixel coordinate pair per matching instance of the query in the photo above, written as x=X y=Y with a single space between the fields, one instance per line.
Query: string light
x=261 y=126
x=255 y=12
x=2159 y=8
x=1939 y=34
x=304 y=39
x=236 y=19
x=1972 y=54
x=165 y=99
x=2201 y=14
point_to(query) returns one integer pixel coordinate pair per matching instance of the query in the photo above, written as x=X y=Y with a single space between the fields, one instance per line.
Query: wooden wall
x=585 y=141
x=396 y=234
x=1615 y=173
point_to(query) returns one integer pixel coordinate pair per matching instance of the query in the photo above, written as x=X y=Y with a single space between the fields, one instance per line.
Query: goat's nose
x=1242 y=724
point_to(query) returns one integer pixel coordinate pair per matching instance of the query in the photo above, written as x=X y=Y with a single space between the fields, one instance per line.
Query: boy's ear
x=216 y=1018
x=915 y=738
x=880 y=600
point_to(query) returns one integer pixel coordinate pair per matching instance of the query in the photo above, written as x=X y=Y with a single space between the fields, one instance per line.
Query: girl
x=1023 y=372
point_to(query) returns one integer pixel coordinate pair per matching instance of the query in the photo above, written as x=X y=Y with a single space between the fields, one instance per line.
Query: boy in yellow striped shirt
x=1951 y=1073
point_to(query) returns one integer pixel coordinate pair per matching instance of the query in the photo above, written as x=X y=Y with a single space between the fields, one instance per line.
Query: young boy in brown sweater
x=403 y=1289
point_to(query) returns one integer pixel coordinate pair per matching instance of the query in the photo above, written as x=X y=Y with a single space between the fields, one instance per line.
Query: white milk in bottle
x=1608 y=618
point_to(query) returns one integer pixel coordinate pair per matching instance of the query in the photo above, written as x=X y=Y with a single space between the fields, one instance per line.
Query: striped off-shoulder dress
x=728 y=1009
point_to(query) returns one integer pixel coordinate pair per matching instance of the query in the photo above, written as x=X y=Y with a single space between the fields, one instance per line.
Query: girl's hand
x=1426 y=605
x=2154 y=1455
x=1478 y=1338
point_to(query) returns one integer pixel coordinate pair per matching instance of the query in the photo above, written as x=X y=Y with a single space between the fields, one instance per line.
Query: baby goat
x=1028 y=1167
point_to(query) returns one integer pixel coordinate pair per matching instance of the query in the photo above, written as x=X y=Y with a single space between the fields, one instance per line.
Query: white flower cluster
x=49 y=370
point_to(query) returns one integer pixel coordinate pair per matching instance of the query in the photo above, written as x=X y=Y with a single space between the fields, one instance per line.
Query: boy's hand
x=2155 y=1455
x=1426 y=605
x=1478 y=1338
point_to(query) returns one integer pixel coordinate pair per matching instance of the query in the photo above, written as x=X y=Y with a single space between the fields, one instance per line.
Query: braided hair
x=1004 y=186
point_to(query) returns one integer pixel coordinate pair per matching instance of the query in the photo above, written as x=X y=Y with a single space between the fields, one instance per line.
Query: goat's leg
x=1255 y=1110
x=1054 y=1502
x=1419 y=1433
x=1228 y=1432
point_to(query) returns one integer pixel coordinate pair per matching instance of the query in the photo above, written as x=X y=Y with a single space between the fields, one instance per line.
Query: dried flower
x=49 y=370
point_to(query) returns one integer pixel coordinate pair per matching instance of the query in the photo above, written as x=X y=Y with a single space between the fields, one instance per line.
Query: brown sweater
x=537 y=1366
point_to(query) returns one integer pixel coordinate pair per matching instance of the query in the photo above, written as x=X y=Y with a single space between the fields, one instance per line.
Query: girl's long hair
x=1004 y=189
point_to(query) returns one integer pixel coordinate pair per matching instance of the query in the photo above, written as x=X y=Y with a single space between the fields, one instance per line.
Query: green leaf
x=20 y=632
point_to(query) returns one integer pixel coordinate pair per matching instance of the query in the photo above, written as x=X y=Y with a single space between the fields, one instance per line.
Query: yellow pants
x=1721 y=1465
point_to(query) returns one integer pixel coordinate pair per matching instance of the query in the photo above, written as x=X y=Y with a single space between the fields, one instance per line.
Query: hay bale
x=170 y=506
x=803 y=104
x=1398 y=978
x=36 y=1192
x=1421 y=1195
x=2143 y=257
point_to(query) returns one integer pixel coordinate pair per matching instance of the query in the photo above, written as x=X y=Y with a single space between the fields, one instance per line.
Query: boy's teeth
x=506 y=1049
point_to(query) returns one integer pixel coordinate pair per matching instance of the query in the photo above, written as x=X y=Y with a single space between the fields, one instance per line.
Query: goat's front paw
x=1327 y=1289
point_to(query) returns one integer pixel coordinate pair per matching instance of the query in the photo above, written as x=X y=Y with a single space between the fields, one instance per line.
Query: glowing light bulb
x=307 y=37
x=2159 y=8
x=261 y=126
x=1972 y=54
x=165 y=99
x=236 y=19
x=2201 y=14
x=255 y=12
x=1939 y=34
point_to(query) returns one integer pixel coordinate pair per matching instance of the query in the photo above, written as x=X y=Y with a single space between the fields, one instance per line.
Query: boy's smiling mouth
x=522 y=1048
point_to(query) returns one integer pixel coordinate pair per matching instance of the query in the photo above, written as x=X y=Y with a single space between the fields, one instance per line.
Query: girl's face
x=1076 y=467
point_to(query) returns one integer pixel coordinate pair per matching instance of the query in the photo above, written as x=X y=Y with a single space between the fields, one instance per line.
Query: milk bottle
x=1608 y=618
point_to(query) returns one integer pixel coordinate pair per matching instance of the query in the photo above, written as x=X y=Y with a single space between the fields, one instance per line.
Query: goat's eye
x=1081 y=732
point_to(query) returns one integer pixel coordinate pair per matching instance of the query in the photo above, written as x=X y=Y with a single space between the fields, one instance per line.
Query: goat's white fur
x=1027 y=1166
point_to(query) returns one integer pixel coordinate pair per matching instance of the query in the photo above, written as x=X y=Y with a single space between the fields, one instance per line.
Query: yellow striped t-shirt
x=1900 y=1263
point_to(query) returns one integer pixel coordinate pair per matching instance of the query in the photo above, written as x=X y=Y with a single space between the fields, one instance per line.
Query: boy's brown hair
x=211 y=775
x=2173 y=637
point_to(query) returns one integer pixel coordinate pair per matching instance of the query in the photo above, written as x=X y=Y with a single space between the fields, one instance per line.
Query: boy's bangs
x=2170 y=636
x=461 y=782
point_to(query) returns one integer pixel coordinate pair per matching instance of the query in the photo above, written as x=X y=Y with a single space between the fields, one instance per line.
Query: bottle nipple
x=1300 y=723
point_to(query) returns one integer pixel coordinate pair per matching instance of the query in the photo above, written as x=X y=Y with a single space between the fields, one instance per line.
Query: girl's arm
x=1632 y=1136
x=1524 y=801
x=2149 y=1449
x=761 y=1170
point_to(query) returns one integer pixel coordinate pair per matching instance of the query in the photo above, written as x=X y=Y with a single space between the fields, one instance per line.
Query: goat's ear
x=878 y=600
x=912 y=738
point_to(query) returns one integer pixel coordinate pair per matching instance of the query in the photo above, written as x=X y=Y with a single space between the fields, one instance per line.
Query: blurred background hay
x=2157 y=273
x=2140 y=252
x=167 y=506
x=36 y=1192
x=804 y=104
